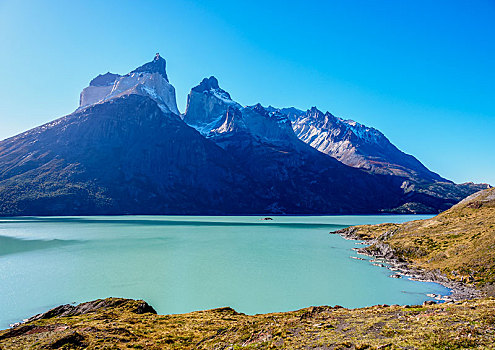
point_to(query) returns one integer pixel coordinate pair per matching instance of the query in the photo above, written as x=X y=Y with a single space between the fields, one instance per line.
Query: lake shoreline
x=383 y=252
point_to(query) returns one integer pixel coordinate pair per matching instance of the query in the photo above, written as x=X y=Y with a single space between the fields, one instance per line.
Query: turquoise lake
x=185 y=263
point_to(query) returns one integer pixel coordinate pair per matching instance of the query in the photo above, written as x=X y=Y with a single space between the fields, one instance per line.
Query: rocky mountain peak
x=211 y=85
x=207 y=84
x=270 y=113
x=157 y=65
x=148 y=80
x=358 y=145
x=315 y=113
x=260 y=109
x=207 y=105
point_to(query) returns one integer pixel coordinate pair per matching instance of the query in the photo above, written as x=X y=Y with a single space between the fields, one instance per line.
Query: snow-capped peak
x=149 y=80
x=365 y=133
x=207 y=104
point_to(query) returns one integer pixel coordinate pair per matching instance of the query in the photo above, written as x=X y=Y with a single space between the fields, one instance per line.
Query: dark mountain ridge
x=126 y=150
x=366 y=148
x=125 y=156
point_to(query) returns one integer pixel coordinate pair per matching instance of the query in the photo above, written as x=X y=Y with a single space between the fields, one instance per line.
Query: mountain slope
x=119 y=157
x=126 y=150
x=368 y=149
x=299 y=178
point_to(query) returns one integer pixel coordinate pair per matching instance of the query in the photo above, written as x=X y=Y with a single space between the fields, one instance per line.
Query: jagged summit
x=357 y=145
x=158 y=65
x=260 y=109
x=207 y=104
x=349 y=127
x=207 y=84
x=270 y=113
x=211 y=85
x=149 y=80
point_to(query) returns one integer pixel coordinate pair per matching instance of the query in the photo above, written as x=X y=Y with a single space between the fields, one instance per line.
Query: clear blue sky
x=422 y=72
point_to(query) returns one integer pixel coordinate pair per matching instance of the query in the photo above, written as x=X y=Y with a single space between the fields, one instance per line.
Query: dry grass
x=468 y=324
x=460 y=242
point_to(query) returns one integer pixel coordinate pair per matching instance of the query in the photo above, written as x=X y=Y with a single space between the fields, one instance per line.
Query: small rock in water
x=395 y=276
x=379 y=265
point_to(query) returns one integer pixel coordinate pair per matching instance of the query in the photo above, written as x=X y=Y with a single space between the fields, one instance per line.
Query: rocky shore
x=454 y=248
x=384 y=256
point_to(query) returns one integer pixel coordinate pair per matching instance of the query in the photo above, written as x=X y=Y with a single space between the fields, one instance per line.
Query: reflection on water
x=10 y=245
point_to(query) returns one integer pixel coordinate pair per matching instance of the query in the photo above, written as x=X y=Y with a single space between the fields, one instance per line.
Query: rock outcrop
x=148 y=80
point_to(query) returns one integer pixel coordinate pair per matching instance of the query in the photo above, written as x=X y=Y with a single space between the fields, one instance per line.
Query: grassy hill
x=460 y=242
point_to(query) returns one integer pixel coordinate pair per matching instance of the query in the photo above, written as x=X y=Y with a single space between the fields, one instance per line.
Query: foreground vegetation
x=118 y=324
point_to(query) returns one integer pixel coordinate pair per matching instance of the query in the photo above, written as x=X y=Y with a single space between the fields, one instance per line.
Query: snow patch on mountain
x=357 y=145
x=206 y=128
x=148 y=80
x=225 y=97
x=365 y=133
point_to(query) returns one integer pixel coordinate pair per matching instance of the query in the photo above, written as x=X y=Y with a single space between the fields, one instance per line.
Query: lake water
x=184 y=263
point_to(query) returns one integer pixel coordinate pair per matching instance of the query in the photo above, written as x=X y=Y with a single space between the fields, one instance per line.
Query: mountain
x=123 y=155
x=357 y=145
x=127 y=150
x=367 y=148
x=296 y=177
x=250 y=133
x=148 y=80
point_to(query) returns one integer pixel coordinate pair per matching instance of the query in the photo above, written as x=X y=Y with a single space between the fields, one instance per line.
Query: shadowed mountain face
x=264 y=142
x=126 y=156
x=126 y=150
x=119 y=157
